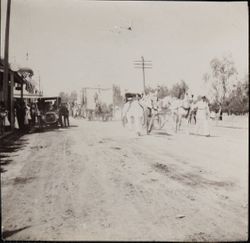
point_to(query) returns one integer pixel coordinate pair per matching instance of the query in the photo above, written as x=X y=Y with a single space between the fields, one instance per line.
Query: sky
x=73 y=44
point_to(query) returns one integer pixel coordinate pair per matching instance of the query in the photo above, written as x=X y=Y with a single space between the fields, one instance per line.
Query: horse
x=133 y=114
x=192 y=114
x=179 y=111
x=151 y=107
x=105 y=112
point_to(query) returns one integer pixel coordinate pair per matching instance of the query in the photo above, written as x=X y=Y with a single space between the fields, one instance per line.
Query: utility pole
x=6 y=56
x=0 y=27
x=39 y=84
x=142 y=64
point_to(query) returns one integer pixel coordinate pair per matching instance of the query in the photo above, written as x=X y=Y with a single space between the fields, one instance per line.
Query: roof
x=19 y=78
x=50 y=98
x=129 y=95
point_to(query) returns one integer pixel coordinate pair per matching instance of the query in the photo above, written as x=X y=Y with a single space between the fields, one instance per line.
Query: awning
x=26 y=70
x=22 y=76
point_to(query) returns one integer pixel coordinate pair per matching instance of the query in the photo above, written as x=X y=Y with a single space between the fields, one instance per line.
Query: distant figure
x=17 y=107
x=64 y=111
x=193 y=110
x=186 y=105
x=3 y=115
x=51 y=106
x=220 y=114
x=203 y=115
x=33 y=113
x=60 y=115
x=16 y=125
x=27 y=118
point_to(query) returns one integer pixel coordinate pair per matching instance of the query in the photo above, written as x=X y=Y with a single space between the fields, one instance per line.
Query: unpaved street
x=97 y=181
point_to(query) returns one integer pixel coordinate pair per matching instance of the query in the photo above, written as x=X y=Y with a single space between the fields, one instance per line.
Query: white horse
x=178 y=111
x=133 y=115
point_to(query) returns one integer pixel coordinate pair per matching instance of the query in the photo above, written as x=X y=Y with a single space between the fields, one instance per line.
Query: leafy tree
x=117 y=97
x=221 y=71
x=73 y=96
x=162 y=91
x=64 y=97
x=238 y=100
x=149 y=89
x=178 y=90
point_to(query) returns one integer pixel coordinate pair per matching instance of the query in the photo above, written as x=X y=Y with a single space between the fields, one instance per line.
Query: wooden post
x=0 y=26
x=143 y=75
x=142 y=64
x=6 y=55
x=22 y=91
x=12 y=110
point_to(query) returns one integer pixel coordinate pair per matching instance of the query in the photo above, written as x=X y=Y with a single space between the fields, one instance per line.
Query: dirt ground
x=97 y=181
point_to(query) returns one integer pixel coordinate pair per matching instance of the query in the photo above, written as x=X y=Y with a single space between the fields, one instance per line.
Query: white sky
x=75 y=43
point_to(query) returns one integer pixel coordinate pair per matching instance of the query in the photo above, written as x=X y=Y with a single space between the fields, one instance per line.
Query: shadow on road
x=8 y=233
x=52 y=129
x=162 y=133
x=9 y=145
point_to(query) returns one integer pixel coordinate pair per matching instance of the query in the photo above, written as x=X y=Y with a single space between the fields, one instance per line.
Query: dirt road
x=97 y=181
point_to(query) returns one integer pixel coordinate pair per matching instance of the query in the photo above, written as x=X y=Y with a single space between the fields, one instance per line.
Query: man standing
x=64 y=111
x=60 y=115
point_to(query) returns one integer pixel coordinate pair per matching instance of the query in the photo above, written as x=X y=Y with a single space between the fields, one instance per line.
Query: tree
x=149 y=89
x=64 y=97
x=220 y=73
x=238 y=100
x=117 y=97
x=73 y=97
x=178 y=90
x=162 y=91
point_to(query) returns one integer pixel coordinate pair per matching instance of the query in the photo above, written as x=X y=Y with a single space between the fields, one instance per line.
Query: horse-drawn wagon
x=98 y=104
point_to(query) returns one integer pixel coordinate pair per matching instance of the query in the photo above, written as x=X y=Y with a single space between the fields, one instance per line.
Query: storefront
x=17 y=83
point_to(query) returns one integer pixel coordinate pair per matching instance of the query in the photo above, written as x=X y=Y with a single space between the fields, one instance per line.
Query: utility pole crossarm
x=143 y=64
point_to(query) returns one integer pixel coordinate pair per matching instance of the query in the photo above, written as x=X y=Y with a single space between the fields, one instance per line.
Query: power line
x=143 y=64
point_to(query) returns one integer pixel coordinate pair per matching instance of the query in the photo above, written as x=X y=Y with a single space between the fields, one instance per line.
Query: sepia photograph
x=124 y=120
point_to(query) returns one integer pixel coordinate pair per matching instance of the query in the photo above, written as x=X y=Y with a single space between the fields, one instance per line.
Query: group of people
x=4 y=122
x=186 y=107
x=25 y=116
x=193 y=110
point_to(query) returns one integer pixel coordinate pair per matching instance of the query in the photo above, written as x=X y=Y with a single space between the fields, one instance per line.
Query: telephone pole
x=142 y=64
x=0 y=27
x=6 y=56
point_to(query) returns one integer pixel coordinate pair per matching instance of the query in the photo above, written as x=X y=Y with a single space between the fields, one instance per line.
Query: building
x=19 y=86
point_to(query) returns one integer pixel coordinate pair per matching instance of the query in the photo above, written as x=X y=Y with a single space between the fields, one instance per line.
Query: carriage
x=154 y=117
x=98 y=104
x=129 y=97
x=156 y=113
